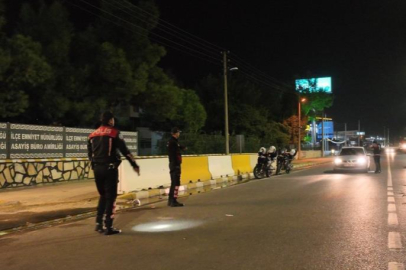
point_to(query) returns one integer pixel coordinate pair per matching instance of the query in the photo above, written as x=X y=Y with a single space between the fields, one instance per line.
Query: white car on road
x=352 y=158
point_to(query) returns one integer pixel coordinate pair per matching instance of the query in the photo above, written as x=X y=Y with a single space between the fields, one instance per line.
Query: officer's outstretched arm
x=126 y=153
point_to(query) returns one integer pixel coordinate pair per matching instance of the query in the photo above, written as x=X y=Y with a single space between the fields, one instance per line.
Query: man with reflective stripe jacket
x=103 y=146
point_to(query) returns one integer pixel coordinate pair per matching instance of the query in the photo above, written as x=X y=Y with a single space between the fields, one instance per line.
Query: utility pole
x=388 y=137
x=359 y=132
x=345 y=134
x=226 y=103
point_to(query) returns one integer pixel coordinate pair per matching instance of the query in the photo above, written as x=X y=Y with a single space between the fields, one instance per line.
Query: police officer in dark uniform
x=175 y=161
x=103 y=146
x=376 y=148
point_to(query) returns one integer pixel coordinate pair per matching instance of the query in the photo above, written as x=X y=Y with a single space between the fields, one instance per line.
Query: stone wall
x=18 y=173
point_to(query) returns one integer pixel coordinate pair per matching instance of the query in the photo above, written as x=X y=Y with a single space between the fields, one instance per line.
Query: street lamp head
x=233 y=68
x=303 y=100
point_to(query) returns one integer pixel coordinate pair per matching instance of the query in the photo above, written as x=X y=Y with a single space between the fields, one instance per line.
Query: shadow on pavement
x=10 y=221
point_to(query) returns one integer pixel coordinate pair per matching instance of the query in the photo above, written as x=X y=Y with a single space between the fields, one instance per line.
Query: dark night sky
x=360 y=44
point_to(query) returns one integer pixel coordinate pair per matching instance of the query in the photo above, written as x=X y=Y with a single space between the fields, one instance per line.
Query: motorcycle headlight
x=338 y=161
x=362 y=160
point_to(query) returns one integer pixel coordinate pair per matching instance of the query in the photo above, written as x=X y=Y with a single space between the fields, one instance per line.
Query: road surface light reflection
x=161 y=227
x=361 y=160
x=167 y=226
x=338 y=161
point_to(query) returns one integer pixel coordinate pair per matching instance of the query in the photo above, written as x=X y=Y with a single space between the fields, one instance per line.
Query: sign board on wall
x=76 y=142
x=31 y=141
x=20 y=141
x=3 y=140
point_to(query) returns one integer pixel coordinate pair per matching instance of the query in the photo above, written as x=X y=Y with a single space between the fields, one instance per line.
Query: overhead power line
x=240 y=61
x=127 y=9
x=171 y=27
x=208 y=53
x=144 y=29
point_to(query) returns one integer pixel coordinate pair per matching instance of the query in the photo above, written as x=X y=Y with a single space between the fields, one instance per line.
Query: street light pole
x=388 y=138
x=226 y=103
x=299 y=126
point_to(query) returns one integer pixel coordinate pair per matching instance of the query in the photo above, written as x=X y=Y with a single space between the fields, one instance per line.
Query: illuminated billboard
x=314 y=85
x=328 y=130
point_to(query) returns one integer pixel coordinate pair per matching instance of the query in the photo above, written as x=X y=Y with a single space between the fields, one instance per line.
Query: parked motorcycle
x=263 y=169
x=283 y=163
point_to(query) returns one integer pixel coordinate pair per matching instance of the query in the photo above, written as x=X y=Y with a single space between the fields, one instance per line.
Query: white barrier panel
x=220 y=166
x=154 y=173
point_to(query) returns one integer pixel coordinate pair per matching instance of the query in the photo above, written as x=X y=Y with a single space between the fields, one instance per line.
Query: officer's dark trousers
x=377 y=160
x=174 y=170
x=106 y=183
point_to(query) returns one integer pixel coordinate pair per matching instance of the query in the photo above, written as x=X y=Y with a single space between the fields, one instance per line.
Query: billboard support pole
x=299 y=122
x=322 y=134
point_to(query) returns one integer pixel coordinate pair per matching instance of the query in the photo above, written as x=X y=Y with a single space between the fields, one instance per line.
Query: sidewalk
x=21 y=207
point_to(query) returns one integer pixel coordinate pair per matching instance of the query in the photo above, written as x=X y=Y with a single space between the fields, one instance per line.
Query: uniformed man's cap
x=175 y=130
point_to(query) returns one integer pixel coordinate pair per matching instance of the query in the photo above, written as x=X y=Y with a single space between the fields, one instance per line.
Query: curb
x=163 y=191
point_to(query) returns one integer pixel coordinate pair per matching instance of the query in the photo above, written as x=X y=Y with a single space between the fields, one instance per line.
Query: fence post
x=64 y=142
x=8 y=140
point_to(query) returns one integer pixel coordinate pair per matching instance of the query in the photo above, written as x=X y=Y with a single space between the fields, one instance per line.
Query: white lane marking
x=391 y=207
x=390 y=188
x=396 y=266
x=389 y=175
x=391 y=199
x=390 y=193
x=393 y=219
x=394 y=241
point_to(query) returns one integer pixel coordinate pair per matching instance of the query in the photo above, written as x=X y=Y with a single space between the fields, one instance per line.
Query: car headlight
x=362 y=160
x=338 y=161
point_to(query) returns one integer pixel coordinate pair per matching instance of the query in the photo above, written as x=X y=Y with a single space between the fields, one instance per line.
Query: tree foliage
x=254 y=111
x=317 y=101
x=57 y=70
x=62 y=74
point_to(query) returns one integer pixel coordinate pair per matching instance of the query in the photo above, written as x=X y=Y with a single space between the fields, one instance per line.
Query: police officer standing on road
x=376 y=148
x=175 y=161
x=102 y=149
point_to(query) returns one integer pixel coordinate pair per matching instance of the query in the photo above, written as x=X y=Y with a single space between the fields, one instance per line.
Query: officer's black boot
x=111 y=231
x=109 y=226
x=175 y=203
x=170 y=200
x=99 y=228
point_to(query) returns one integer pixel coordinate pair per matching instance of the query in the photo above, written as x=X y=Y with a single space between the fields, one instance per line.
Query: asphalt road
x=310 y=219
